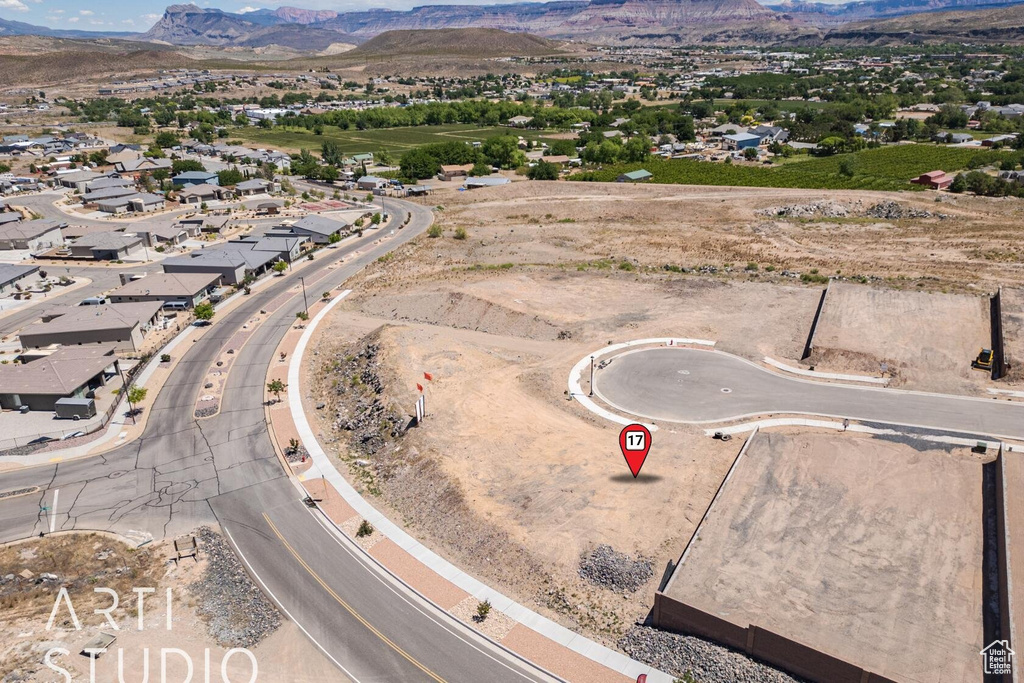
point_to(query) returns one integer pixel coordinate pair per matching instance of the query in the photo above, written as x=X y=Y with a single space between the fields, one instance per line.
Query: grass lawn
x=395 y=140
x=885 y=168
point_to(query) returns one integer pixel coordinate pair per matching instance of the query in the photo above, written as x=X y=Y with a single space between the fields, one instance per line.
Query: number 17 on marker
x=635 y=442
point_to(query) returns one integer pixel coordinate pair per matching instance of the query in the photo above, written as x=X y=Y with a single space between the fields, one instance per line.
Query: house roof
x=29 y=229
x=204 y=190
x=189 y=176
x=78 y=176
x=103 y=317
x=108 y=240
x=10 y=272
x=62 y=372
x=638 y=174
x=102 y=183
x=167 y=284
x=742 y=137
x=112 y=192
x=486 y=181
x=12 y=217
x=319 y=225
x=253 y=184
x=144 y=164
x=448 y=168
x=149 y=198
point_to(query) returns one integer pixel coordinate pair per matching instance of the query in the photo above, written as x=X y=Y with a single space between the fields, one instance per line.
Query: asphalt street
x=694 y=386
x=185 y=472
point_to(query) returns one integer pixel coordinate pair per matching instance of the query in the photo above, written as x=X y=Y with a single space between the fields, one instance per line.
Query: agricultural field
x=395 y=140
x=886 y=168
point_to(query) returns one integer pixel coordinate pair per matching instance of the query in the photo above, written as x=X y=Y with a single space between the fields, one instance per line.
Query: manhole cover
x=726 y=390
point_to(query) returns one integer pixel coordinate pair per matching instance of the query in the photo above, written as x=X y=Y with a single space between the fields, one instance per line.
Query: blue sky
x=139 y=15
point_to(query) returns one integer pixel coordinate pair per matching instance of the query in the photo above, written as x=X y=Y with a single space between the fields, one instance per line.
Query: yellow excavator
x=983 y=361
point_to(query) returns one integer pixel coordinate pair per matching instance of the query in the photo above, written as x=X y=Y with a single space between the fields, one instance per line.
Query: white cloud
x=152 y=17
x=247 y=9
x=96 y=22
x=16 y=5
x=86 y=12
x=128 y=21
x=57 y=12
x=73 y=20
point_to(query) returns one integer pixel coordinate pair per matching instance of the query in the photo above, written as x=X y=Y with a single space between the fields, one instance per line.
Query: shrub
x=434 y=231
x=365 y=529
x=165 y=358
x=302 y=315
x=483 y=609
x=460 y=233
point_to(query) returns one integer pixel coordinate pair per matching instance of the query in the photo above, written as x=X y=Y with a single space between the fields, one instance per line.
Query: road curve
x=182 y=473
x=696 y=386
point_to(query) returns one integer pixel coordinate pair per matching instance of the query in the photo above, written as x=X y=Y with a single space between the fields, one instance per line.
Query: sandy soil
x=104 y=561
x=927 y=340
x=513 y=482
x=1013 y=332
x=868 y=549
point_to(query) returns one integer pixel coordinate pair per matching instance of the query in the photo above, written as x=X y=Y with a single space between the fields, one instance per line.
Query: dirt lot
x=83 y=562
x=927 y=339
x=1013 y=332
x=866 y=549
x=506 y=477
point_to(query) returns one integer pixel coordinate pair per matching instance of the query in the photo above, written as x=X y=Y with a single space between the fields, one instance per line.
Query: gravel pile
x=237 y=614
x=363 y=411
x=893 y=211
x=822 y=209
x=705 y=661
x=603 y=566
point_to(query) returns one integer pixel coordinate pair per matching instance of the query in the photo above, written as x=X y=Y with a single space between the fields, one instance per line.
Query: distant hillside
x=475 y=42
x=994 y=26
x=193 y=25
x=75 y=63
x=824 y=14
x=9 y=27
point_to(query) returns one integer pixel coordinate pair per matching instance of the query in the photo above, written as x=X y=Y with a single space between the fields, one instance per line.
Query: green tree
x=204 y=311
x=419 y=163
x=331 y=153
x=229 y=176
x=750 y=153
x=275 y=387
x=848 y=167
x=480 y=168
x=503 y=151
x=543 y=170
x=185 y=165
x=167 y=139
x=280 y=267
x=959 y=184
x=137 y=395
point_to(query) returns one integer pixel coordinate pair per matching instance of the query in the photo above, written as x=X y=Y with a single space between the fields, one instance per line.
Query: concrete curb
x=824 y=375
x=575 y=375
x=596 y=652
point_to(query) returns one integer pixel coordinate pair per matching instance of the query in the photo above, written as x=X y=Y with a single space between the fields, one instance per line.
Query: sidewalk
x=535 y=637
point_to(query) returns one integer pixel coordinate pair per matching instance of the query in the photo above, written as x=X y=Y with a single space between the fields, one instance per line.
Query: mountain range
x=619 y=22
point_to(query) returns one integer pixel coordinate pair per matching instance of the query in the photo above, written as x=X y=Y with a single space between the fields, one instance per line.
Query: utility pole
x=304 y=302
x=591 y=375
x=124 y=388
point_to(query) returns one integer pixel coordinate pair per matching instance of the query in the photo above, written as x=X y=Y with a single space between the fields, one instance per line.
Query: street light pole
x=591 y=375
x=304 y=302
x=124 y=388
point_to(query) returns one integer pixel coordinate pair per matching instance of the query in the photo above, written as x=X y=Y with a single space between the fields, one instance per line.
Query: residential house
x=144 y=203
x=253 y=186
x=105 y=246
x=137 y=167
x=197 y=194
x=77 y=180
x=107 y=182
x=37 y=235
x=317 y=229
x=520 y=121
x=288 y=249
x=67 y=372
x=370 y=183
x=936 y=180
x=13 y=277
x=182 y=290
x=123 y=324
x=195 y=178
x=452 y=171
x=232 y=263
x=740 y=141
x=108 y=193
x=167 y=234
x=485 y=181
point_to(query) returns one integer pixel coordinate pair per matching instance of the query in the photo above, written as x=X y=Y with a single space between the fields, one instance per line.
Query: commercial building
x=124 y=325
x=67 y=372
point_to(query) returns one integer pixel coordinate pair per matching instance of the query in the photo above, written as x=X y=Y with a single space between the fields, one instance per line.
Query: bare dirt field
x=926 y=339
x=867 y=549
x=509 y=479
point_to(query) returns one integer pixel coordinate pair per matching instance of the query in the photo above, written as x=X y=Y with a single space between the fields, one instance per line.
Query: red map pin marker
x=635 y=442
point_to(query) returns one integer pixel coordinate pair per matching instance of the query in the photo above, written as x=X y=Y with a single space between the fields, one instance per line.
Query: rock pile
x=363 y=411
x=892 y=211
x=604 y=566
x=237 y=614
x=704 y=661
x=822 y=209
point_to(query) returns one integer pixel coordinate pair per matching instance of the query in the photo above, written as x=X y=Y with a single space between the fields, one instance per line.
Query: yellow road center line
x=349 y=608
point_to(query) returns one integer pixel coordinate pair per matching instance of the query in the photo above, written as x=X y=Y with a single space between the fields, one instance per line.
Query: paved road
x=184 y=472
x=690 y=385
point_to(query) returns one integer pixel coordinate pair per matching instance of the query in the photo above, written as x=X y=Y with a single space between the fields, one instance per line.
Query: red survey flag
x=427 y=375
x=419 y=386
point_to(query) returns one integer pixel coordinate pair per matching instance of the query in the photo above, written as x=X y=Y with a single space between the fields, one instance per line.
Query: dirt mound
x=604 y=566
x=460 y=310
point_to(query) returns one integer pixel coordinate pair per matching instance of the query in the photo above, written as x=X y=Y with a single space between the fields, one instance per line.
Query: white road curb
x=825 y=375
x=521 y=614
x=576 y=374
